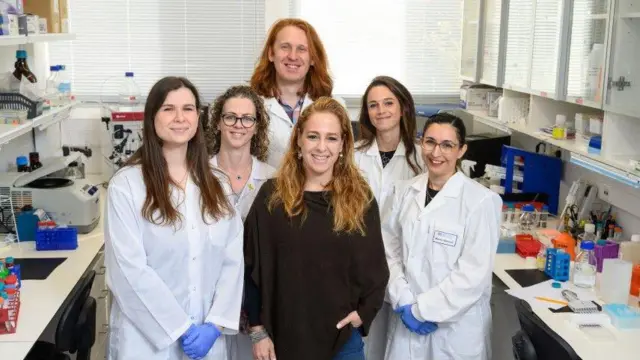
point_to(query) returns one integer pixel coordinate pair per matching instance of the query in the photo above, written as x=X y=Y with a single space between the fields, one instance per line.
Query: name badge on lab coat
x=445 y=238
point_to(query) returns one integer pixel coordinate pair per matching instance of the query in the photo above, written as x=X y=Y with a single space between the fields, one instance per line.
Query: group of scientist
x=262 y=229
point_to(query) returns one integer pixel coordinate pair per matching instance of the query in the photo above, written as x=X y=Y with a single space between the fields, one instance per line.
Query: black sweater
x=302 y=277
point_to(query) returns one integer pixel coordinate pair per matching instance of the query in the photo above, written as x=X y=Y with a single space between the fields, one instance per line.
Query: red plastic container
x=9 y=316
x=527 y=246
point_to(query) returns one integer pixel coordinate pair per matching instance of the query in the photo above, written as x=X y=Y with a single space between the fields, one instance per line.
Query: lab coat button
x=193 y=318
x=193 y=258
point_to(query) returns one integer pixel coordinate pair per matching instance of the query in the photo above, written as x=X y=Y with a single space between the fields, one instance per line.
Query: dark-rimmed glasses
x=246 y=121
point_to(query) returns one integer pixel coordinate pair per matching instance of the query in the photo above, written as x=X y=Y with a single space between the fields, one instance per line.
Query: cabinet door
x=496 y=14
x=517 y=74
x=587 y=53
x=623 y=87
x=547 y=34
x=470 y=40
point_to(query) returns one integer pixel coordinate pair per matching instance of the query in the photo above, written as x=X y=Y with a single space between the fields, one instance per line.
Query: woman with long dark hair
x=173 y=243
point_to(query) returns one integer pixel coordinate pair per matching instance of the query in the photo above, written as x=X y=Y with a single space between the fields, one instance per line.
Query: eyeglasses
x=446 y=146
x=245 y=120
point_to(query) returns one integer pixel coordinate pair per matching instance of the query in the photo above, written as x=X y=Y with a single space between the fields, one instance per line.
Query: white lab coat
x=239 y=346
x=441 y=258
x=280 y=128
x=381 y=180
x=162 y=280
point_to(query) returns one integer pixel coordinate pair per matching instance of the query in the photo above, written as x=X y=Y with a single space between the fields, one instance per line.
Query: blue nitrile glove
x=197 y=344
x=413 y=324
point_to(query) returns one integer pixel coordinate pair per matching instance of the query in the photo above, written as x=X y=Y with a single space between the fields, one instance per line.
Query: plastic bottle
x=630 y=250
x=129 y=94
x=22 y=68
x=544 y=217
x=64 y=85
x=541 y=258
x=588 y=235
x=52 y=92
x=527 y=217
x=584 y=268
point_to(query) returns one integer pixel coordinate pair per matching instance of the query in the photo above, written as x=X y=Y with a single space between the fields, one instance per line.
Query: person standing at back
x=292 y=72
x=387 y=152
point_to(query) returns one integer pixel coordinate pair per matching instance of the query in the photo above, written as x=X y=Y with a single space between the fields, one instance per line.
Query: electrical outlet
x=605 y=190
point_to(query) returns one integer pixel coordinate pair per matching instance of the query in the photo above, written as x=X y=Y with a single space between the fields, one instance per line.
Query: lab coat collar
x=374 y=150
x=274 y=107
x=451 y=189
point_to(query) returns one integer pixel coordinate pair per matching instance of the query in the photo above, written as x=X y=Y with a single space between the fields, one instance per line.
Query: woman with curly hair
x=238 y=142
x=316 y=271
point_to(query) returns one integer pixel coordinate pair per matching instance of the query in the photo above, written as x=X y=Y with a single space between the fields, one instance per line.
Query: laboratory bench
x=625 y=346
x=42 y=300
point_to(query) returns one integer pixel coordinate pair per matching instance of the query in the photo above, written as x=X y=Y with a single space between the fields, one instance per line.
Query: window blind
x=519 y=43
x=415 y=41
x=214 y=44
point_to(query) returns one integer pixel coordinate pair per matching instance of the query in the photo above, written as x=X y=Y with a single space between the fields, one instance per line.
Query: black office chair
x=535 y=340
x=76 y=330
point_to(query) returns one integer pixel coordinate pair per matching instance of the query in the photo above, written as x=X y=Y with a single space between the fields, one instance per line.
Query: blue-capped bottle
x=22 y=68
x=584 y=268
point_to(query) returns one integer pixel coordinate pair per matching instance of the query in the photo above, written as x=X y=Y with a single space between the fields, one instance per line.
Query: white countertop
x=626 y=345
x=42 y=299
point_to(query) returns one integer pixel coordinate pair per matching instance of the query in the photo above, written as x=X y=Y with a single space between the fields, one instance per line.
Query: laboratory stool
x=535 y=340
x=76 y=330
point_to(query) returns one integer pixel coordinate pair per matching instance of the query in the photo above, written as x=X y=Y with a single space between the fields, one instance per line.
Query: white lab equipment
x=75 y=203
x=615 y=281
x=441 y=259
x=163 y=278
x=129 y=94
x=584 y=268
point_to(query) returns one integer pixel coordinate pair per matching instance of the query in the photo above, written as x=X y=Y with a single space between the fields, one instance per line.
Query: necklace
x=238 y=176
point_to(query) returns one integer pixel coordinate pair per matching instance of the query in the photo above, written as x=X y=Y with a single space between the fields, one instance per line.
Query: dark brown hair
x=260 y=139
x=158 y=208
x=317 y=83
x=407 y=120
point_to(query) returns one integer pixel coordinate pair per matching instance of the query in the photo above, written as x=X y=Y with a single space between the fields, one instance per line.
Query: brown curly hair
x=259 y=141
x=351 y=196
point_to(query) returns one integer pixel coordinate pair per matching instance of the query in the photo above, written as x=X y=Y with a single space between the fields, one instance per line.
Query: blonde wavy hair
x=351 y=196
x=260 y=139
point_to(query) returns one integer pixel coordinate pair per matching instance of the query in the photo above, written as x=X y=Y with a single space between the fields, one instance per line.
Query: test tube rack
x=557 y=264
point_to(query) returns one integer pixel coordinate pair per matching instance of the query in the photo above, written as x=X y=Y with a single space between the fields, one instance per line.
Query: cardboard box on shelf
x=48 y=9
x=64 y=16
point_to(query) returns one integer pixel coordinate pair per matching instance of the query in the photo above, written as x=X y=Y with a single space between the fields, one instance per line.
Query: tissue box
x=9 y=24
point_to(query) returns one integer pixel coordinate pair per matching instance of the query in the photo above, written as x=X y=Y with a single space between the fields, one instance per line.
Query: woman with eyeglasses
x=441 y=237
x=238 y=141
x=316 y=269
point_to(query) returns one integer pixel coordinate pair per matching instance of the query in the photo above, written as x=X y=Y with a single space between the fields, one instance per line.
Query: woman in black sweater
x=316 y=269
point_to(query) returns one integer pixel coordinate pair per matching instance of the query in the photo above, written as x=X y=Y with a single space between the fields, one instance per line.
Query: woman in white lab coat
x=291 y=73
x=173 y=243
x=441 y=237
x=238 y=141
x=386 y=152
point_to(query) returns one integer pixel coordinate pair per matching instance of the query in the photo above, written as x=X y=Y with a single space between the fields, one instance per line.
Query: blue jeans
x=353 y=349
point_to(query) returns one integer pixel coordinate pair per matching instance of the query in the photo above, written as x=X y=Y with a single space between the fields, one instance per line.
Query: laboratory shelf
x=7 y=40
x=48 y=118
x=51 y=117
x=482 y=117
x=613 y=168
x=10 y=132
